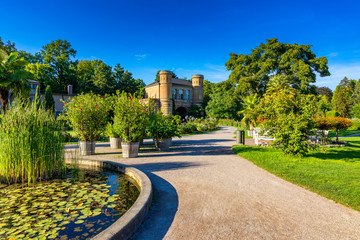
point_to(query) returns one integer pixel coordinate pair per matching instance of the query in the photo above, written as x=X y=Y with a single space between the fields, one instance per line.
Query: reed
x=31 y=144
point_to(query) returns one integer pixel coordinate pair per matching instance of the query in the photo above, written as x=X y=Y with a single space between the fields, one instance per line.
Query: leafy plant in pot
x=87 y=114
x=130 y=119
x=114 y=136
x=163 y=128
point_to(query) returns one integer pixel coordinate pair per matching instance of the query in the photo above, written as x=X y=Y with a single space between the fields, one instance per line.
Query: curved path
x=204 y=191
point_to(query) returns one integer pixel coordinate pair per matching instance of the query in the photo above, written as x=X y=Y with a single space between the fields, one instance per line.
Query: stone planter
x=115 y=143
x=130 y=150
x=163 y=144
x=87 y=147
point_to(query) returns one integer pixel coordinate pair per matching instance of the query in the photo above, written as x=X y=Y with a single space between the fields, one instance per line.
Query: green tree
x=41 y=72
x=58 y=55
x=223 y=104
x=95 y=76
x=37 y=98
x=325 y=91
x=251 y=73
x=126 y=82
x=49 y=102
x=208 y=88
x=13 y=77
x=287 y=115
x=341 y=101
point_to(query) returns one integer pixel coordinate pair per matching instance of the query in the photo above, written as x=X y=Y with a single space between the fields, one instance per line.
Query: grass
x=344 y=133
x=195 y=133
x=334 y=174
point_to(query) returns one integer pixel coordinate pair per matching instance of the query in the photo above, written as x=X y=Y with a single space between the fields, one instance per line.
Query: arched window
x=174 y=93
x=187 y=94
x=181 y=93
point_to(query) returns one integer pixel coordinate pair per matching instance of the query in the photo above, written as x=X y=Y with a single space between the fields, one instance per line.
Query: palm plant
x=13 y=77
x=249 y=103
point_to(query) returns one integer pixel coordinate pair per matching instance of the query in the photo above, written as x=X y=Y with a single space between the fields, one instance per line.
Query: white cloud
x=338 y=72
x=140 y=56
x=333 y=54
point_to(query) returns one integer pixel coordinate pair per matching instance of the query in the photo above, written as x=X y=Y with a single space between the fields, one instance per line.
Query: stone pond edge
x=128 y=223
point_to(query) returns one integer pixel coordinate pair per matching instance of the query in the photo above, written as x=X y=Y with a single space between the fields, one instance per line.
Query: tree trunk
x=337 y=135
x=4 y=97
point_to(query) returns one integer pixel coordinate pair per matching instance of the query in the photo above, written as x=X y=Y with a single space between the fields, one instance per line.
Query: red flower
x=97 y=106
x=80 y=108
x=66 y=103
x=130 y=98
x=74 y=106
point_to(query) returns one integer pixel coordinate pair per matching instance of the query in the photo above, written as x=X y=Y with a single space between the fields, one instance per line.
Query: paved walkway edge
x=127 y=224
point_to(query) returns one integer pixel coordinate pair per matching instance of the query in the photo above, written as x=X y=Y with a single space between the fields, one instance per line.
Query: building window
x=174 y=93
x=188 y=95
x=181 y=93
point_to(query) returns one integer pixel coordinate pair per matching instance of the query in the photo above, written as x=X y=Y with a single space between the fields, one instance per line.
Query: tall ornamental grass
x=31 y=144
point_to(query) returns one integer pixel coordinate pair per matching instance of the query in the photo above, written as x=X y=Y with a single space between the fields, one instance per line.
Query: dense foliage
x=131 y=117
x=251 y=73
x=87 y=114
x=161 y=127
x=56 y=65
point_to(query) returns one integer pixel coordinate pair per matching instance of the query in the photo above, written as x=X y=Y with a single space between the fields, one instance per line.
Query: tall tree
x=126 y=82
x=223 y=104
x=251 y=73
x=208 y=88
x=58 y=55
x=341 y=101
x=325 y=91
x=41 y=72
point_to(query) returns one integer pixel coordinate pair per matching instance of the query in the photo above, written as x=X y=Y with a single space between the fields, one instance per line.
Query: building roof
x=175 y=81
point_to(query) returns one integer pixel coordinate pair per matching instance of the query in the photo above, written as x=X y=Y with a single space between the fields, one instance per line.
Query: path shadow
x=165 y=201
x=164 y=166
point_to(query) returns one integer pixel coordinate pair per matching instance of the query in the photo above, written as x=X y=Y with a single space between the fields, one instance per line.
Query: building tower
x=197 y=82
x=166 y=104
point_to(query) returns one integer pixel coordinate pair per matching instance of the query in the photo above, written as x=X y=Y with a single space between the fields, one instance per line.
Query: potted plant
x=163 y=128
x=130 y=119
x=87 y=114
x=114 y=136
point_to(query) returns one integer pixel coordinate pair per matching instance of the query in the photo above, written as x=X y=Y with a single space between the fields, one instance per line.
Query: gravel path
x=204 y=191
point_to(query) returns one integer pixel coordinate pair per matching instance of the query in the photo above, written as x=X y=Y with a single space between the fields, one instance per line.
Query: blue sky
x=187 y=37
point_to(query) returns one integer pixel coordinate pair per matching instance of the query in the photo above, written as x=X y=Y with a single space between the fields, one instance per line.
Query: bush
x=87 y=114
x=31 y=144
x=131 y=117
x=161 y=126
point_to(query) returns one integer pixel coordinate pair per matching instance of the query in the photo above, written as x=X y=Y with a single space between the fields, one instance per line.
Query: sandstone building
x=175 y=94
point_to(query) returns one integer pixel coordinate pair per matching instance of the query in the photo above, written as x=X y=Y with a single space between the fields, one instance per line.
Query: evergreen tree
x=37 y=98
x=49 y=102
x=341 y=101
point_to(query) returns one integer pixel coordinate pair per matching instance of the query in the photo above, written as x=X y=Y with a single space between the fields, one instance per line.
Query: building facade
x=175 y=95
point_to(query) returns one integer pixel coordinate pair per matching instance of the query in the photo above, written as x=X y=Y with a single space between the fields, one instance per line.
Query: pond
x=79 y=206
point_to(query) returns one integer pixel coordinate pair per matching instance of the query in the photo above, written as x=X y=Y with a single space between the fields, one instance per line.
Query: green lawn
x=334 y=174
x=344 y=133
